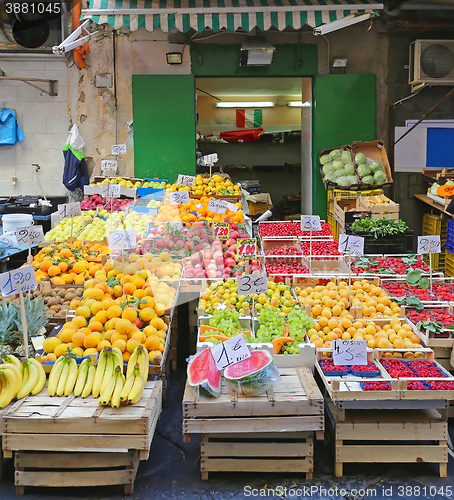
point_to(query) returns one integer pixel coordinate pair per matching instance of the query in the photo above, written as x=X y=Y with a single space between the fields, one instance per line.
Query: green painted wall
x=164 y=125
x=344 y=111
x=224 y=60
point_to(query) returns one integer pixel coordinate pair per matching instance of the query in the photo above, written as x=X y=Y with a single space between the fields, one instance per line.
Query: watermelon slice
x=203 y=376
x=253 y=375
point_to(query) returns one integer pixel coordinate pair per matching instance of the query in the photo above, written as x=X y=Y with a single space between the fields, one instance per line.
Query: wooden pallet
x=50 y=469
x=273 y=452
x=69 y=424
x=387 y=436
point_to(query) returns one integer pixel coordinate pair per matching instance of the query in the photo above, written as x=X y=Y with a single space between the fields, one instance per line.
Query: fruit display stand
x=101 y=446
x=272 y=432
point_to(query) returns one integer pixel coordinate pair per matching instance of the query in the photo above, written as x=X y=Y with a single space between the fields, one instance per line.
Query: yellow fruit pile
x=208 y=186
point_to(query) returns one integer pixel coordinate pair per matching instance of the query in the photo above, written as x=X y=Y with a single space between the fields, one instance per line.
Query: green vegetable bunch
x=380 y=227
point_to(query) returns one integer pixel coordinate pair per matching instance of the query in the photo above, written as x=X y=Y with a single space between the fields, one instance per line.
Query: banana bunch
x=62 y=377
x=85 y=378
x=112 y=392
x=108 y=360
x=136 y=376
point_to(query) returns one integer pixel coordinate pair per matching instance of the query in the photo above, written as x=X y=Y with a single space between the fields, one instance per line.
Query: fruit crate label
x=179 y=197
x=221 y=230
x=35 y=233
x=111 y=190
x=23 y=278
x=427 y=244
x=252 y=283
x=185 y=180
x=69 y=210
x=217 y=206
x=310 y=223
x=122 y=240
x=109 y=165
x=347 y=243
x=230 y=352
x=246 y=248
x=119 y=149
x=350 y=352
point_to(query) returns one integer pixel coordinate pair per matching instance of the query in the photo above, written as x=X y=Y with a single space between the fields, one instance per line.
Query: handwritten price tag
x=427 y=244
x=310 y=223
x=350 y=352
x=119 y=149
x=22 y=278
x=232 y=207
x=221 y=230
x=122 y=240
x=179 y=197
x=246 y=248
x=69 y=210
x=186 y=180
x=230 y=352
x=34 y=234
x=209 y=159
x=110 y=165
x=347 y=243
x=217 y=206
x=111 y=190
x=252 y=283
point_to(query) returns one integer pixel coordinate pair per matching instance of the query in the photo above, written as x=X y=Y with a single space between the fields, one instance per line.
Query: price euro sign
x=429 y=244
x=310 y=223
x=186 y=180
x=31 y=234
x=246 y=248
x=221 y=230
x=22 y=279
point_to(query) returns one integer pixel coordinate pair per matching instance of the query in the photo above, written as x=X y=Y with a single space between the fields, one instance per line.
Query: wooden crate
x=272 y=452
x=384 y=209
x=70 y=424
x=388 y=436
x=50 y=469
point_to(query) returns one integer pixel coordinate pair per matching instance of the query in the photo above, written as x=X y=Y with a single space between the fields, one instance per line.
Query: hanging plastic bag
x=10 y=131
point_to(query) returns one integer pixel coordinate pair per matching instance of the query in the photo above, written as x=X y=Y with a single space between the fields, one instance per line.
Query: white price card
x=427 y=244
x=252 y=283
x=347 y=243
x=179 y=197
x=109 y=165
x=119 y=149
x=30 y=234
x=350 y=352
x=122 y=240
x=221 y=230
x=69 y=210
x=310 y=223
x=231 y=207
x=230 y=352
x=185 y=180
x=217 y=206
x=111 y=190
x=209 y=159
x=23 y=278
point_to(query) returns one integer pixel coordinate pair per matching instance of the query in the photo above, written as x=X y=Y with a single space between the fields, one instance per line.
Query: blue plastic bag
x=10 y=132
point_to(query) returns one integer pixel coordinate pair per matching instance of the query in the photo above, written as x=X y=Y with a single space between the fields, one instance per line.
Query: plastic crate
x=438 y=260
x=340 y=194
x=334 y=225
x=397 y=244
x=449 y=264
x=259 y=207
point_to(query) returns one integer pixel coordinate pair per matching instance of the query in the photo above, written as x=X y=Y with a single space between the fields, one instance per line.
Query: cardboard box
x=334 y=185
x=375 y=151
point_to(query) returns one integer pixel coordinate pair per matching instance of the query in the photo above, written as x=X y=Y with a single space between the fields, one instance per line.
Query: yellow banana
x=144 y=366
x=127 y=388
x=100 y=369
x=10 y=358
x=118 y=358
x=24 y=372
x=41 y=376
x=63 y=378
x=106 y=394
x=72 y=376
x=18 y=373
x=9 y=393
x=81 y=377
x=132 y=363
x=108 y=372
x=54 y=376
x=137 y=388
x=89 y=382
x=32 y=380
x=115 y=402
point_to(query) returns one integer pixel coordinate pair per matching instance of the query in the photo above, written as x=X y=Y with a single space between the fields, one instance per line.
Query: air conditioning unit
x=32 y=27
x=431 y=63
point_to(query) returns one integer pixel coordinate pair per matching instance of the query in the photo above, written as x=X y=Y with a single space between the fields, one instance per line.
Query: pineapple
x=37 y=319
x=7 y=326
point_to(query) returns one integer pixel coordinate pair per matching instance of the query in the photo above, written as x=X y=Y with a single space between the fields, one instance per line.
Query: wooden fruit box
x=387 y=206
x=428 y=338
x=71 y=424
x=346 y=211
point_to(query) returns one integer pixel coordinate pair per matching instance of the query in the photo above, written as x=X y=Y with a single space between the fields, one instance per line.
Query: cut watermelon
x=253 y=375
x=203 y=376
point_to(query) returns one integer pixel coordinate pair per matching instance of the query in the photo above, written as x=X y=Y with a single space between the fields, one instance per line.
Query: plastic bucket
x=12 y=221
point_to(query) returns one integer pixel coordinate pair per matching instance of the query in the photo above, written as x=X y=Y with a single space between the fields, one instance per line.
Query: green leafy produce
x=340 y=173
x=368 y=179
x=380 y=227
x=336 y=154
x=364 y=170
x=413 y=277
x=325 y=159
x=380 y=177
x=424 y=283
x=349 y=168
x=411 y=302
x=338 y=165
x=360 y=158
x=375 y=166
x=352 y=179
x=343 y=181
x=327 y=168
x=331 y=176
x=346 y=157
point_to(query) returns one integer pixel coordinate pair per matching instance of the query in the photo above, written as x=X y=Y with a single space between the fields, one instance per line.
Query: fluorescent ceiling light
x=299 y=104
x=342 y=23
x=255 y=104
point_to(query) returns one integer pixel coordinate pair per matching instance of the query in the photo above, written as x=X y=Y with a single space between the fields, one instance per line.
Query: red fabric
x=250 y=135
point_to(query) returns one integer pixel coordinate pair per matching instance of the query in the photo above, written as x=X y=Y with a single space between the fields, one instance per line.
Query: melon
x=203 y=376
x=253 y=375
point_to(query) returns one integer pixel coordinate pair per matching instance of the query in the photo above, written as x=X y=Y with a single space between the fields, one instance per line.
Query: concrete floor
x=172 y=472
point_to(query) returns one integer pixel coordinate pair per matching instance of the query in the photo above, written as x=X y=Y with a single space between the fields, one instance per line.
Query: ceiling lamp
x=342 y=23
x=257 y=52
x=299 y=104
x=174 y=57
x=251 y=104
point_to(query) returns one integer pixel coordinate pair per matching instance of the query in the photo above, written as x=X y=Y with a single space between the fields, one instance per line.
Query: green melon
x=203 y=376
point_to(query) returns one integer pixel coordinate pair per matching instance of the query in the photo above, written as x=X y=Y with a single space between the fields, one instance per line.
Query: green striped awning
x=222 y=14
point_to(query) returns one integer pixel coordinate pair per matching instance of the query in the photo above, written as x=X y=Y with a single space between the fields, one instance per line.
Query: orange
x=147 y=314
x=79 y=267
x=159 y=323
x=96 y=326
x=95 y=307
x=97 y=294
x=107 y=335
x=101 y=316
x=114 y=311
x=85 y=330
x=123 y=326
x=121 y=344
x=116 y=336
x=66 y=334
x=102 y=344
x=126 y=356
x=84 y=311
x=138 y=335
x=90 y=350
x=150 y=330
x=60 y=350
x=63 y=266
x=45 y=265
x=53 y=271
x=117 y=291
x=152 y=343
x=50 y=344
x=139 y=293
x=129 y=288
x=106 y=303
x=92 y=340
x=131 y=344
x=110 y=323
x=78 y=351
x=129 y=313
x=78 y=339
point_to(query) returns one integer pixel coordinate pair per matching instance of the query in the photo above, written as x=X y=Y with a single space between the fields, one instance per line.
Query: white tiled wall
x=44 y=120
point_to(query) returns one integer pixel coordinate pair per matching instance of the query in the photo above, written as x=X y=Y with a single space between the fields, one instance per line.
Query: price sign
x=230 y=352
x=427 y=244
x=310 y=223
x=119 y=149
x=69 y=210
x=246 y=248
x=232 y=207
x=252 y=283
x=347 y=243
x=34 y=234
x=217 y=206
x=221 y=230
x=350 y=352
x=111 y=190
x=209 y=159
x=185 y=180
x=122 y=240
x=110 y=165
x=21 y=279
x=179 y=197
